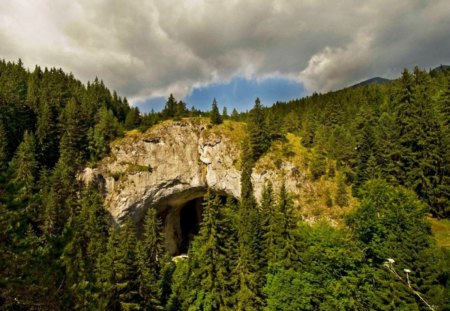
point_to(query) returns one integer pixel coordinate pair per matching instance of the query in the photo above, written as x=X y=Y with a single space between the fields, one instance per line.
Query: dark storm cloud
x=147 y=49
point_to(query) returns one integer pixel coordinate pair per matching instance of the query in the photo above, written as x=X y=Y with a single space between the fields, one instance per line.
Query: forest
x=59 y=249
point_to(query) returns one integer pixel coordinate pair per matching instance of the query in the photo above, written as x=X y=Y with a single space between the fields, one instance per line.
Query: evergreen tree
x=249 y=261
x=119 y=271
x=225 y=113
x=133 y=119
x=234 y=114
x=88 y=236
x=209 y=257
x=271 y=224
x=25 y=165
x=3 y=147
x=73 y=141
x=47 y=135
x=288 y=223
x=170 y=109
x=106 y=129
x=341 y=193
x=257 y=128
x=151 y=257
x=215 y=116
x=366 y=151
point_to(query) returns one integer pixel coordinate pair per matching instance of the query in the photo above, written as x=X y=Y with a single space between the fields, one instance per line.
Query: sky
x=231 y=50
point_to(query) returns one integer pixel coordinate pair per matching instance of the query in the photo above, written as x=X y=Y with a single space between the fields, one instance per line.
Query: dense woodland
x=60 y=251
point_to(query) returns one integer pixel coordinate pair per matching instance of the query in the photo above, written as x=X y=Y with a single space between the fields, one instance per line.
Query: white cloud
x=151 y=48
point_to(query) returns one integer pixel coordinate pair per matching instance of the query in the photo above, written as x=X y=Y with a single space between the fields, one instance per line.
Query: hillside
x=376 y=80
x=323 y=203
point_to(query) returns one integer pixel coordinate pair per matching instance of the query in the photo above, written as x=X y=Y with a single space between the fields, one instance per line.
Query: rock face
x=171 y=164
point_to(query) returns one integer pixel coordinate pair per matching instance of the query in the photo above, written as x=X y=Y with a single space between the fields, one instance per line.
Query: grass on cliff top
x=315 y=198
x=441 y=231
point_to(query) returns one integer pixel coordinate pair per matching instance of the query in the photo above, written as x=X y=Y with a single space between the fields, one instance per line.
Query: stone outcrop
x=173 y=163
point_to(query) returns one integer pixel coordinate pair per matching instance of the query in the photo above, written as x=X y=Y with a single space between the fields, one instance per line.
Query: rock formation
x=174 y=163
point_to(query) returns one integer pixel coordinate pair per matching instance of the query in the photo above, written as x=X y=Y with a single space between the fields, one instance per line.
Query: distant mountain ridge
x=375 y=80
x=440 y=68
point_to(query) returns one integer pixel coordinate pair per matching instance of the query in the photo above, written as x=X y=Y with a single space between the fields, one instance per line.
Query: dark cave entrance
x=190 y=218
x=182 y=214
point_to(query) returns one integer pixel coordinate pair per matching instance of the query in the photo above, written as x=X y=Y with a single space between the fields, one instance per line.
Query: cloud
x=148 y=49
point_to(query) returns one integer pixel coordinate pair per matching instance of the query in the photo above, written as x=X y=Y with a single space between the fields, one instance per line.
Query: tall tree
x=25 y=165
x=215 y=116
x=151 y=257
x=248 y=267
x=3 y=147
x=257 y=128
x=133 y=119
x=209 y=260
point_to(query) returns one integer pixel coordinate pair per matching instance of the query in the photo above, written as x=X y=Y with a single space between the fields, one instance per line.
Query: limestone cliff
x=174 y=162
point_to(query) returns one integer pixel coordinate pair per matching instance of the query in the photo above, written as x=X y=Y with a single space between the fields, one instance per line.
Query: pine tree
x=3 y=147
x=47 y=135
x=151 y=256
x=341 y=193
x=366 y=151
x=25 y=165
x=106 y=129
x=289 y=254
x=88 y=236
x=225 y=113
x=133 y=119
x=271 y=224
x=170 y=109
x=249 y=261
x=118 y=271
x=257 y=128
x=215 y=116
x=208 y=260
x=234 y=114
x=73 y=141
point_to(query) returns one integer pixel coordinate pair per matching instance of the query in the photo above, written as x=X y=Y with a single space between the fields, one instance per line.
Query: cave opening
x=190 y=218
x=182 y=216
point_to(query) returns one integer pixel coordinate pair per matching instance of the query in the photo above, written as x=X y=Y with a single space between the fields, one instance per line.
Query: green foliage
x=151 y=256
x=106 y=129
x=258 y=131
x=341 y=193
x=25 y=165
x=133 y=119
x=215 y=116
x=3 y=147
x=59 y=250
x=318 y=165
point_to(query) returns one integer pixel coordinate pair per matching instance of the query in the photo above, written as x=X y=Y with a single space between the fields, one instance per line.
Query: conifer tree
x=341 y=193
x=133 y=119
x=225 y=113
x=106 y=129
x=234 y=114
x=271 y=224
x=209 y=255
x=119 y=271
x=151 y=257
x=289 y=254
x=81 y=255
x=170 y=109
x=47 y=135
x=3 y=147
x=365 y=150
x=73 y=140
x=215 y=116
x=249 y=261
x=25 y=165
x=257 y=128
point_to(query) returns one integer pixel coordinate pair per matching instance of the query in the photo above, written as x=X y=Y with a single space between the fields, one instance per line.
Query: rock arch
x=172 y=165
